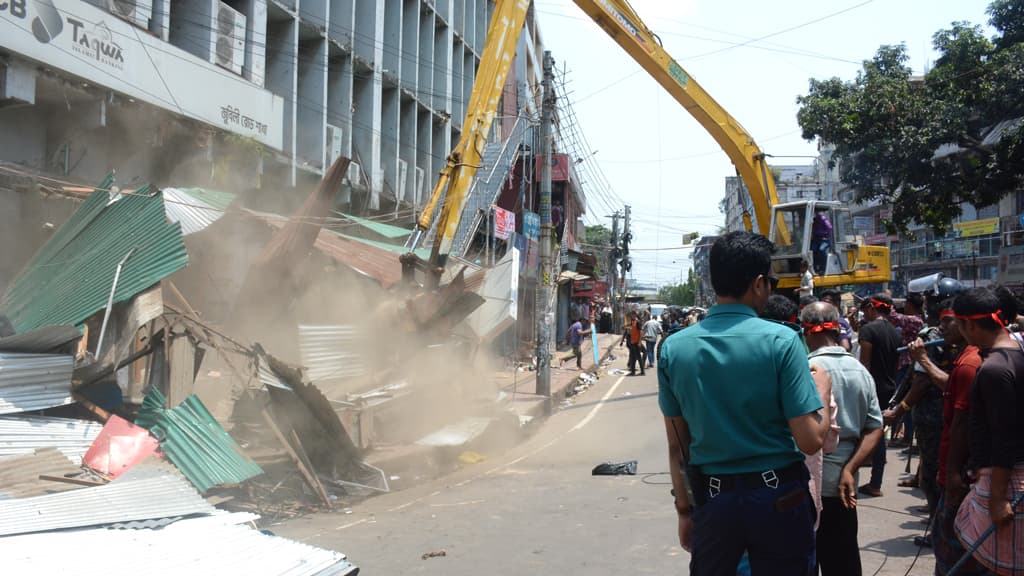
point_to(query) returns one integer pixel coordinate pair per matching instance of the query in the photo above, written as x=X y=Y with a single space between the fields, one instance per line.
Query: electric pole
x=544 y=317
x=626 y=262
x=613 y=271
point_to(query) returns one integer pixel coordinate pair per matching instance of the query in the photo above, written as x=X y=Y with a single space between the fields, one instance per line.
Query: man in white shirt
x=806 y=280
x=652 y=331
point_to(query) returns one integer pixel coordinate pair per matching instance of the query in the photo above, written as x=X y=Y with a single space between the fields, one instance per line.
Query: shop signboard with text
x=976 y=227
x=84 y=41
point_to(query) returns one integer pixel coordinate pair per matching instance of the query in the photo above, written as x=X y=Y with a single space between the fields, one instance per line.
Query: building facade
x=704 y=295
x=251 y=94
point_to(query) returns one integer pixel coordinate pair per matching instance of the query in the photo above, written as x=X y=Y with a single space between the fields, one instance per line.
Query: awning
x=570 y=276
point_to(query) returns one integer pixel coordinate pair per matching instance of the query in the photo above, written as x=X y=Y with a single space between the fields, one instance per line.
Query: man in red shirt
x=953 y=442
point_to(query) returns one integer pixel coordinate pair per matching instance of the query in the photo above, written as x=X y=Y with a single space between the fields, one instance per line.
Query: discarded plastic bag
x=615 y=469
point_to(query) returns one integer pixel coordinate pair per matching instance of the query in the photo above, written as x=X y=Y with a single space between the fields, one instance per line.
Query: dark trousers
x=636 y=355
x=820 y=248
x=878 y=459
x=838 y=552
x=777 y=542
x=928 y=417
x=650 y=344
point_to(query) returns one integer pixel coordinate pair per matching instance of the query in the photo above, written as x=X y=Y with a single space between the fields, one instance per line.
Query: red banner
x=589 y=289
x=504 y=223
x=559 y=167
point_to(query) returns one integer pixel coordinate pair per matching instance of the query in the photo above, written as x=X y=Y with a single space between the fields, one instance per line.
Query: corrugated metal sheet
x=395 y=248
x=24 y=434
x=385 y=230
x=195 y=442
x=40 y=340
x=1001 y=129
x=149 y=490
x=375 y=263
x=70 y=277
x=218 y=544
x=456 y=434
x=19 y=475
x=329 y=352
x=195 y=208
x=34 y=381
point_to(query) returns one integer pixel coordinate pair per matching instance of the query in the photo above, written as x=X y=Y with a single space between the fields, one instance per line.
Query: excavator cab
x=821 y=234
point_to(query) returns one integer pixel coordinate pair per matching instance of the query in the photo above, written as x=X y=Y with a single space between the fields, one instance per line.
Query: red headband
x=947 y=313
x=815 y=328
x=879 y=304
x=992 y=315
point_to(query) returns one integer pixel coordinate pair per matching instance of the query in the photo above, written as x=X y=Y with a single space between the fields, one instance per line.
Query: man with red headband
x=995 y=432
x=860 y=429
x=878 y=344
x=953 y=446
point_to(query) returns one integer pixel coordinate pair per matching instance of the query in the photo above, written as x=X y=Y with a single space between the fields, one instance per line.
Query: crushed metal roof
x=19 y=475
x=194 y=441
x=329 y=352
x=34 y=381
x=395 y=248
x=149 y=490
x=456 y=434
x=385 y=230
x=23 y=434
x=41 y=340
x=370 y=261
x=195 y=208
x=70 y=278
x=219 y=544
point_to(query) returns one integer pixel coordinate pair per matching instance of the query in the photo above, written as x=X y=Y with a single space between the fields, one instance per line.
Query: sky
x=754 y=58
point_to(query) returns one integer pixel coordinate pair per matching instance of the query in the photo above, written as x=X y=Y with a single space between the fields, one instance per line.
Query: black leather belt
x=715 y=484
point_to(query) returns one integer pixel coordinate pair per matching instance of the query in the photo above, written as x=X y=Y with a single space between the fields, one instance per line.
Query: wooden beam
x=76 y=481
x=307 y=473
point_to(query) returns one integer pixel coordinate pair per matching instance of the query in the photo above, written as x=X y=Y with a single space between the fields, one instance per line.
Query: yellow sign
x=977 y=227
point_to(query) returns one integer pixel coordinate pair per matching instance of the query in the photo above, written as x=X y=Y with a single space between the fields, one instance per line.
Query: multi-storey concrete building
x=250 y=94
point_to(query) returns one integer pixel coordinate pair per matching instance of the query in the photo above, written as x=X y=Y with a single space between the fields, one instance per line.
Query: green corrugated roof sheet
x=385 y=230
x=69 y=279
x=397 y=249
x=213 y=198
x=195 y=442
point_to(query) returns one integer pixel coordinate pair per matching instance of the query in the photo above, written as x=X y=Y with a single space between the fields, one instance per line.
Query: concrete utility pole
x=627 y=263
x=545 y=281
x=613 y=272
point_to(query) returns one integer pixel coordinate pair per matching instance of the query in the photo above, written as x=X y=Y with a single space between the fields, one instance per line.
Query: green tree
x=595 y=237
x=680 y=294
x=892 y=130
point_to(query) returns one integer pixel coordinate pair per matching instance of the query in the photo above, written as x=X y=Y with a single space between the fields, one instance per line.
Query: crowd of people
x=773 y=405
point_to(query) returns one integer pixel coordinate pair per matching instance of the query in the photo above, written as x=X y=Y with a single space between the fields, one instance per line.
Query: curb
x=543 y=408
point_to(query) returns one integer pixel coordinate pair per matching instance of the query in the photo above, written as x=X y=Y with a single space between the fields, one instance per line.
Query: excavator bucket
x=438 y=312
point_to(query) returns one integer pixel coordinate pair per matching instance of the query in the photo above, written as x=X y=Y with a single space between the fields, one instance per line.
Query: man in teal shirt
x=740 y=405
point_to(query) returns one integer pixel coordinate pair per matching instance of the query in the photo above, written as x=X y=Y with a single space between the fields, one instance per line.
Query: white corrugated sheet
x=34 y=381
x=330 y=352
x=24 y=434
x=216 y=545
x=193 y=214
x=147 y=491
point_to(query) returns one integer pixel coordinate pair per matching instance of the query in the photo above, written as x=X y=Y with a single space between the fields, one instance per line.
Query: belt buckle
x=770 y=479
x=714 y=486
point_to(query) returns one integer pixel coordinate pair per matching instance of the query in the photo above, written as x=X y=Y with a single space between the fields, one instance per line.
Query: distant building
x=704 y=293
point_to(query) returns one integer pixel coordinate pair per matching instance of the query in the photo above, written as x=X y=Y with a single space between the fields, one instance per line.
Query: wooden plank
x=307 y=473
x=77 y=481
x=182 y=377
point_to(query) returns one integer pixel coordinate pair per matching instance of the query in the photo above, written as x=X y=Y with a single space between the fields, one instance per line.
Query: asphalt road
x=538 y=510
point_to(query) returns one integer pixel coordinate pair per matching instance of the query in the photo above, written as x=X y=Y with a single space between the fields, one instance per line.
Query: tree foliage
x=595 y=236
x=680 y=294
x=919 y=142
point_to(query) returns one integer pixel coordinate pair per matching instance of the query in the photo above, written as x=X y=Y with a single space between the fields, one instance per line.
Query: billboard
x=84 y=41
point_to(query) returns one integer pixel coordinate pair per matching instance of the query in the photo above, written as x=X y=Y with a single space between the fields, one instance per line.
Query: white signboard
x=1011 y=264
x=96 y=46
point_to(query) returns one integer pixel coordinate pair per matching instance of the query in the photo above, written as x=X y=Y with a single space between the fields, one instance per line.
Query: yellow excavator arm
x=456 y=177
x=619 y=20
